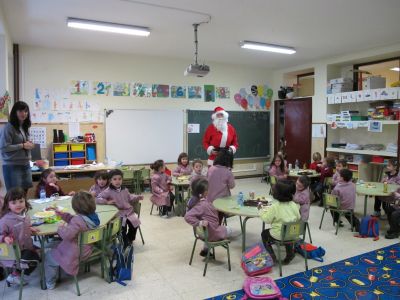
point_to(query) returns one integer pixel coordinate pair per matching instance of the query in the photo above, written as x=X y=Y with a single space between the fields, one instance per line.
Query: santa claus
x=219 y=134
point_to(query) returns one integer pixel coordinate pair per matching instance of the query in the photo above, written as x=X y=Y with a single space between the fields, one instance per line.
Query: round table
x=373 y=189
x=295 y=174
x=229 y=206
x=105 y=212
x=180 y=184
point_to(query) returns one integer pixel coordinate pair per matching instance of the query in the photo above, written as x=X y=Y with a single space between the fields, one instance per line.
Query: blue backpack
x=121 y=264
x=369 y=227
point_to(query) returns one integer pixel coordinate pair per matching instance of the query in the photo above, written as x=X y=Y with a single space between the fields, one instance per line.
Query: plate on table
x=44 y=214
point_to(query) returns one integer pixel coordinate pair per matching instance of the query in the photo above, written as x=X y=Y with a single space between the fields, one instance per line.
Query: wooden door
x=297 y=132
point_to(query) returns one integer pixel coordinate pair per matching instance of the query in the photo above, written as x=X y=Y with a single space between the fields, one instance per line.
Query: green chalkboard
x=252 y=129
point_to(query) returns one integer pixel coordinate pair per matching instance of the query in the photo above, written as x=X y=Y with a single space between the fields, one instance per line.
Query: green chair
x=272 y=181
x=265 y=173
x=290 y=234
x=137 y=177
x=128 y=180
x=95 y=238
x=332 y=203
x=201 y=233
x=328 y=184
x=111 y=239
x=137 y=207
x=145 y=178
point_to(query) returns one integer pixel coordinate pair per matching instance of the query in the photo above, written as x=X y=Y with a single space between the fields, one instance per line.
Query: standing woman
x=16 y=148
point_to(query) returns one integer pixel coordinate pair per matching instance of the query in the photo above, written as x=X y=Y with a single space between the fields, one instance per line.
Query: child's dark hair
x=316 y=156
x=342 y=162
x=42 y=181
x=394 y=163
x=18 y=106
x=330 y=162
x=15 y=193
x=101 y=175
x=282 y=166
x=284 y=190
x=346 y=174
x=305 y=181
x=182 y=155
x=115 y=172
x=83 y=203
x=157 y=165
x=197 y=161
x=199 y=186
x=224 y=158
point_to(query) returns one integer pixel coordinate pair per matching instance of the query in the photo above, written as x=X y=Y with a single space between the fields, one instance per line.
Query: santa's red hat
x=219 y=110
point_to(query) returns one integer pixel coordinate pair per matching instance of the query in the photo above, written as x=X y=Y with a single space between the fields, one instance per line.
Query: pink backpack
x=256 y=260
x=261 y=288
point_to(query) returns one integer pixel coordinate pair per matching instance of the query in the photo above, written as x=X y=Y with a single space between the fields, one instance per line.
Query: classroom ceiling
x=316 y=28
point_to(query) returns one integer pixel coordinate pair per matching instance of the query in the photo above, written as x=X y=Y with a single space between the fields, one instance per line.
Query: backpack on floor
x=312 y=252
x=369 y=227
x=261 y=288
x=121 y=263
x=256 y=260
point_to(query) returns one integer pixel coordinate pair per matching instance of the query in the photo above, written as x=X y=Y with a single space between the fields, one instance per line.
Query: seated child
x=326 y=170
x=201 y=212
x=66 y=254
x=302 y=196
x=15 y=227
x=183 y=167
x=100 y=183
x=119 y=196
x=48 y=182
x=282 y=211
x=391 y=177
x=277 y=168
x=316 y=164
x=197 y=170
x=341 y=164
x=161 y=194
x=346 y=191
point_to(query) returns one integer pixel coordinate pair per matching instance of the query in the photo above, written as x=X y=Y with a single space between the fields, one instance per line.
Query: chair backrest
x=292 y=230
x=137 y=174
x=201 y=232
x=113 y=228
x=91 y=236
x=137 y=207
x=9 y=252
x=272 y=180
x=145 y=174
x=127 y=174
x=328 y=182
x=331 y=201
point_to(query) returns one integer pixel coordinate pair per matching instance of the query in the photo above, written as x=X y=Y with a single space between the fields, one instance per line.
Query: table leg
x=244 y=233
x=365 y=205
x=42 y=256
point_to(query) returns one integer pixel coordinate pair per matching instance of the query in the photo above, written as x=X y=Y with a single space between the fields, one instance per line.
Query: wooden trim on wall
x=16 y=71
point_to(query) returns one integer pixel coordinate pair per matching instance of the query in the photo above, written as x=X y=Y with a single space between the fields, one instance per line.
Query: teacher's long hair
x=18 y=106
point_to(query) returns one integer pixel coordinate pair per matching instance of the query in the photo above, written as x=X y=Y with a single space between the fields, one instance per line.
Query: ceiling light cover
x=267 y=47
x=397 y=69
x=108 y=27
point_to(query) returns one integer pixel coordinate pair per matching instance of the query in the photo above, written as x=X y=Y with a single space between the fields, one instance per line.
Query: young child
x=220 y=177
x=282 y=211
x=119 y=196
x=197 y=170
x=201 y=212
x=302 y=196
x=393 y=213
x=391 y=177
x=48 y=182
x=316 y=164
x=183 y=167
x=277 y=168
x=341 y=164
x=326 y=170
x=346 y=191
x=100 y=183
x=161 y=194
x=66 y=254
x=15 y=226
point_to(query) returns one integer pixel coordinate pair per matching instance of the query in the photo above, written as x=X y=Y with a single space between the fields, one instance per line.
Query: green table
x=229 y=206
x=181 y=185
x=372 y=189
x=106 y=214
x=294 y=174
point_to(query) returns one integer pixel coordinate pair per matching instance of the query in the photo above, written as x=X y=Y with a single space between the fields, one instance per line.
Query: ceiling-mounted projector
x=196 y=69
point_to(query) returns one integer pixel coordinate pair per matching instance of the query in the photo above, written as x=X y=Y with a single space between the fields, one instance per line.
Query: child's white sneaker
x=50 y=286
x=164 y=216
x=14 y=279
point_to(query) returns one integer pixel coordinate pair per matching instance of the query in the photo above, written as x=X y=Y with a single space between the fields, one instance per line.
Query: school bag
x=312 y=252
x=256 y=260
x=369 y=227
x=261 y=288
x=121 y=263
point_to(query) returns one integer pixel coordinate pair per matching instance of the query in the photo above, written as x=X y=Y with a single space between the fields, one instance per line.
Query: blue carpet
x=373 y=275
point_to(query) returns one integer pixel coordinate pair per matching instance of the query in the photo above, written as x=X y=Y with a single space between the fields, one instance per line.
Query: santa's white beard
x=221 y=124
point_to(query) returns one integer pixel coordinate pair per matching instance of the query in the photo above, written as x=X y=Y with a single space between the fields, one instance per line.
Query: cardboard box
x=374 y=82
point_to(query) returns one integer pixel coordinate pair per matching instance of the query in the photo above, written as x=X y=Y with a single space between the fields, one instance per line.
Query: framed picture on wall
x=5 y=103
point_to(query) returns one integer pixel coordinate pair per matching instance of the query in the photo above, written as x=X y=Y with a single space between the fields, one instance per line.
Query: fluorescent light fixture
x=267 y=47
x=108 y=27
x=397 y=69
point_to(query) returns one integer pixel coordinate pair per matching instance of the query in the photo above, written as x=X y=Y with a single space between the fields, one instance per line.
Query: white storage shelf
x=365 y=152
x=384 y=122
x=364 y=96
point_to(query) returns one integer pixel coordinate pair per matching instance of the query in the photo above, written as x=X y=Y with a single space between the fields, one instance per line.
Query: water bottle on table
x=240 y=199
x=297 y=165
x=42 y=193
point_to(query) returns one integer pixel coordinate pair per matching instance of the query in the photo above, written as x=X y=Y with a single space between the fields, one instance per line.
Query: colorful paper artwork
x=160 y=90
x=209 y=93
x=79 y=87
x=178 y=91
x=5 y=102
x=195 y=92
x=222 y=92
x=141 y=89
x=102 y=88
x=120 y=89
x=254 y=97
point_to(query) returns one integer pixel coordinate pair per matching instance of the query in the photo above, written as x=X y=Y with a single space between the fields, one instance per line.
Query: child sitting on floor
x=100 y=183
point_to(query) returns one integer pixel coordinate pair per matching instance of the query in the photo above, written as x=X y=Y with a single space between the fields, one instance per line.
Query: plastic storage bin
x=59 y=163
x=79 y=154
x=77 y=147
x=60 y=148
x=90 y=152
x=77 y=161
x=59 y=155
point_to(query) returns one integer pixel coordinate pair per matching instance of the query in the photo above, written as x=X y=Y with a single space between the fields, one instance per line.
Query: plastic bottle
x=297 y=165
x=240 y=199
x=42 y=193
x=385 y=187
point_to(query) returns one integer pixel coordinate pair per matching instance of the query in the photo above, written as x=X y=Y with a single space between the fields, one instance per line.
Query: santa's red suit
x=216 y=139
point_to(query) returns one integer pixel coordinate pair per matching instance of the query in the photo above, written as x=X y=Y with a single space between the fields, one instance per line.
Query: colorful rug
x=373 y=275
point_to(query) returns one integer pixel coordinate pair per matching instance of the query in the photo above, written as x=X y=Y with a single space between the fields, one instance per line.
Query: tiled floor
x=161 y=269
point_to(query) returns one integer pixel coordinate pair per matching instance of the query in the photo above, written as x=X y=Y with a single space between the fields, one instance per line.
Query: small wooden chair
x=201 y=233
x=332 y=203
x=272 y=182
x=137 y=208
